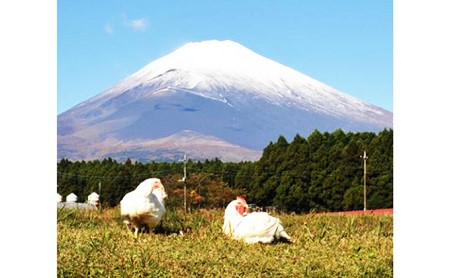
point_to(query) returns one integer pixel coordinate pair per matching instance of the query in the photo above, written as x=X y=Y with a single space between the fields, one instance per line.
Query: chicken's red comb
x=157 y=184
x=240 y=198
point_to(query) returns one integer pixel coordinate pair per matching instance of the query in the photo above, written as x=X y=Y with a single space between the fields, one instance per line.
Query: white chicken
x=144 y=207
x=251 y=227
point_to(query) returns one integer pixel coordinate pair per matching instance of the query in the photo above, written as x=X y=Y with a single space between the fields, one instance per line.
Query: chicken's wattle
x=241 y=209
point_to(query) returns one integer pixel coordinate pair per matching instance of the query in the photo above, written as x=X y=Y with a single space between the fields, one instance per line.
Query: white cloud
x=139 y=24
x=109 y=28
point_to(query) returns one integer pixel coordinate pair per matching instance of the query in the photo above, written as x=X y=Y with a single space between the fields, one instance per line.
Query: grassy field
x=97 y=244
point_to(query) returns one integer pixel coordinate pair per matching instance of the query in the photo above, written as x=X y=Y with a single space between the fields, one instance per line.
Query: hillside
x=223 y=92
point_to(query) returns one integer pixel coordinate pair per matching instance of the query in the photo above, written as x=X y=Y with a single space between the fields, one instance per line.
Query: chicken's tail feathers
x=284 y=235
x=281 y=234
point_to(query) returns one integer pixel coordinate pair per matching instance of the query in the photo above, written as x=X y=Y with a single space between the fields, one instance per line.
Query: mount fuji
x=208 y=99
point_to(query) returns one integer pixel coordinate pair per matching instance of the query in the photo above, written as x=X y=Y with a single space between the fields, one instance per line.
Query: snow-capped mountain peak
x=222 y=89
x=217 y=68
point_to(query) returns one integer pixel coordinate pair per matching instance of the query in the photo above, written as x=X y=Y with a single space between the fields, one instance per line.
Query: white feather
x=252 y=227
x=144 y=205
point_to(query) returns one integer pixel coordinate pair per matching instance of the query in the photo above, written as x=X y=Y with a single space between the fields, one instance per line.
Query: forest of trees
x=323 y=172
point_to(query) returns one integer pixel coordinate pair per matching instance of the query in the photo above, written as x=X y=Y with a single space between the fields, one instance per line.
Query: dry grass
x=97 y=244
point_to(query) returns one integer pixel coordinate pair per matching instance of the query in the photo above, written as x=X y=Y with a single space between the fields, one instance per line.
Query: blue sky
x=345 y=44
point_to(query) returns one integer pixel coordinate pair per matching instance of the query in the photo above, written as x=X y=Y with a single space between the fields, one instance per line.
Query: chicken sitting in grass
x=144 y=207
x=251 y=227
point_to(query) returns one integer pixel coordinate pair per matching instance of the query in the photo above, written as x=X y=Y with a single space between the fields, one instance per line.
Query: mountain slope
x=219 y=89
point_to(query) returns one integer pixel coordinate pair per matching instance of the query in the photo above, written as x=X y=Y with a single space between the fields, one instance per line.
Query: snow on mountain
x=220 y=89
x=211 y=68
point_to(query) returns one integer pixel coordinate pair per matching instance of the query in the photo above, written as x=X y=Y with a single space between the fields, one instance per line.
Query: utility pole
x=184 y=182
x=365 y=157
x=99 y=194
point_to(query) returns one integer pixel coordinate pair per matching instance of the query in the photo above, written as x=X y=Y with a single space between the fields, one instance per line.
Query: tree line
x=323 y=172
